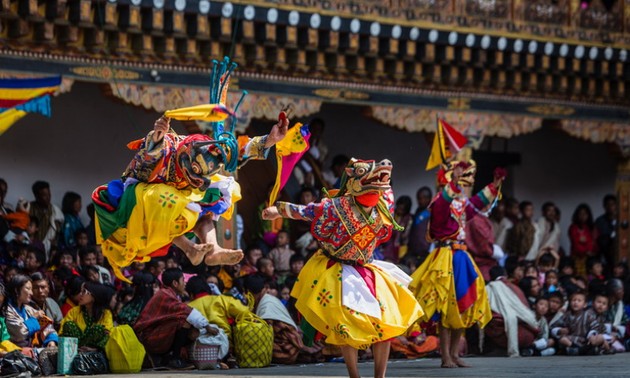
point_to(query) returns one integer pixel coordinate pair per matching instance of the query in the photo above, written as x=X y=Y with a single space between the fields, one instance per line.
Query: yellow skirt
x=457 y=295
x=318 y=291
x=159 y=216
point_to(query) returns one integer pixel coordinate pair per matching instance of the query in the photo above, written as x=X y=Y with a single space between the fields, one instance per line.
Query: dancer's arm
x=291 y=211
x=257 y=148
x=487 y=194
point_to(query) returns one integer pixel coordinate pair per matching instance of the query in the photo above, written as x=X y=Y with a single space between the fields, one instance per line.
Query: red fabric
x=468 y=299
x=368 y=277
x=582 y=241
x=66 y=307
x=161 y=252
x=369 y=199
x=161 y=318
x=480 y=240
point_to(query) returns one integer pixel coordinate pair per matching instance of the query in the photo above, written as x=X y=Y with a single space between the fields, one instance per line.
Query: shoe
x=527 y=352
x=179 y=364
x=548 y=352
x=573 y=351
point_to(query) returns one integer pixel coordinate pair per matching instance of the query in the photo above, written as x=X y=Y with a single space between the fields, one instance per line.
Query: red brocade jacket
x=343 y=231
x=449 y=211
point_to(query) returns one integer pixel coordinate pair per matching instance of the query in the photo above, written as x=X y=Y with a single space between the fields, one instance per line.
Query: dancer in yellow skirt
x=342 y=292
x=448 y=284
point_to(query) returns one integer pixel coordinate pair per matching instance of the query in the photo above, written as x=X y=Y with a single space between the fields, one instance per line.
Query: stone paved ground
x=588 y=366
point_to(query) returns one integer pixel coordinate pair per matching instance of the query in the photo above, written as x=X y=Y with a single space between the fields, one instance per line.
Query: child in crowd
x=595 y=269
x=297 y=263
x=579 y=330
x=600 y=307
x=281 y=255
x=248 y=264
x=551 y=282
x=556 y=308
x=546 y=261
x=543 y=345
x=266 y=269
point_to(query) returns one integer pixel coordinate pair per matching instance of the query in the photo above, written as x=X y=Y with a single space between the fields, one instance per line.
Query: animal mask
x=366 y=176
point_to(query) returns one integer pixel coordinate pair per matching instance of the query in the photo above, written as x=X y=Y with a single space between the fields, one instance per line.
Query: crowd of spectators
x=545 y=300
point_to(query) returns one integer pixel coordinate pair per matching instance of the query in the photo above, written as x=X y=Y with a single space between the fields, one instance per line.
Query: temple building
x=541 y=87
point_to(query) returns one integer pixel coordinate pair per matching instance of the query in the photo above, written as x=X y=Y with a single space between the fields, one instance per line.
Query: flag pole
x=437 y=135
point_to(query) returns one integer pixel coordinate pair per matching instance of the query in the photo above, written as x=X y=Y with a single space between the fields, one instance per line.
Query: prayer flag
x=447 y=141
x=21 y=96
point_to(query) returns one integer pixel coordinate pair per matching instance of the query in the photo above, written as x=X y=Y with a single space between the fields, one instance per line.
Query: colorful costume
x=341 y=291
x=449 y=283
x=169 y=185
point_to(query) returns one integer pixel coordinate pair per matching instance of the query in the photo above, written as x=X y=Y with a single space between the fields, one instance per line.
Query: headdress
x=222 y=148
x=366 y=180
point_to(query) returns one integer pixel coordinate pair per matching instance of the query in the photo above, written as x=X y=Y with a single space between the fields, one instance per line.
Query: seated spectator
x=248 y=265
x=616 y=317
x=543 y=345
x=285 y=294
x=35 y=261
x=65 y=259
x=42 y=300
x=142 y=286
x=595 y=270
x=600 y=307
x=227 y=274
x=59 y=278
x=414 y=343
x=266 y=269
x=166 y=325
x=88 y=257
x=281 y=255
x=221 y=310
x=27 y=326
x=297 y=263
x=82 y=239
x=546 y=261
x=287 y=338
x=91 y=274
x=398 y=244
x=8 y=274
x=515 y=270
x=298 y=227
x=215 y=284
x=556 y=308
x=6 y=345
x=531 y=288
x=155 y=267
x=513 y=325
x=91 y=321
x=551 y=283
x=579 y=328
x=72 y=292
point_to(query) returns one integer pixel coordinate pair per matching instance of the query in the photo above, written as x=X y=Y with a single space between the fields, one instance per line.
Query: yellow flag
x=439 y=153
x=204 y=112
x=9 y=117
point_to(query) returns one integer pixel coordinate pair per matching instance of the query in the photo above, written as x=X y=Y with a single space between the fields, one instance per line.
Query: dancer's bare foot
x=222 y=256
x=461 y=363
x=448 y=364
x=196 y=252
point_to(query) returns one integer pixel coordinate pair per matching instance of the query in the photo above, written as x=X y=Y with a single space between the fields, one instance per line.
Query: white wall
x=84 y=145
